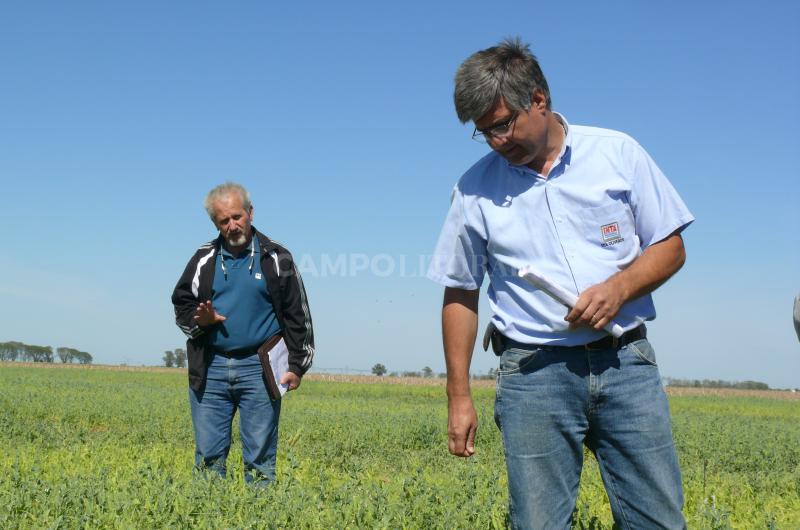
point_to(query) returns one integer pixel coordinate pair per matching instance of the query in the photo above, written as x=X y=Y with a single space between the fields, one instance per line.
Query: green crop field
x=93 y=448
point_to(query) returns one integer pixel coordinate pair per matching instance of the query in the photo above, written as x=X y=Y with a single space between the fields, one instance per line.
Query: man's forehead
x=228 y=203
x=497 y=113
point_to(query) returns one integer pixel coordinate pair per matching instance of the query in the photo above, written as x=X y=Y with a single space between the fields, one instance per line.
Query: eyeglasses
x=501 y=130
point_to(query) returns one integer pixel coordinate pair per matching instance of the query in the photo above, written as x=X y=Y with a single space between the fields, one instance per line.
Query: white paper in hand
x=561 y=295
x=279 y=361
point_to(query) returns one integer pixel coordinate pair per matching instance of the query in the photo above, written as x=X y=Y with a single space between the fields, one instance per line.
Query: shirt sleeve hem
x=680 y=226
x=446 y=281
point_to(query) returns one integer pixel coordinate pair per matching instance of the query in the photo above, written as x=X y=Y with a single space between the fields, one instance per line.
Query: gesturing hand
x=596 y=306
x=206 y=315
x=462 y=424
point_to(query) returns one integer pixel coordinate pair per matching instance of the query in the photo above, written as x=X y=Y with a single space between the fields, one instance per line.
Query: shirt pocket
x=610 y=230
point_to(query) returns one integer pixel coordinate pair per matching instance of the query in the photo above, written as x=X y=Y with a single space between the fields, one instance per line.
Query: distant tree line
x=175 y=359
x=380 y=370
x=716 y=383
x=17 y=351
x=491 y=374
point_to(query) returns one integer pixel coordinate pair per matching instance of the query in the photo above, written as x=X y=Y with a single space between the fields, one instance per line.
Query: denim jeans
x=552 y=401
x=235 y=383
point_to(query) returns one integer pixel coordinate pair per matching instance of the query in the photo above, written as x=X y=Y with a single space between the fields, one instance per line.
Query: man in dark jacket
x=237 y=292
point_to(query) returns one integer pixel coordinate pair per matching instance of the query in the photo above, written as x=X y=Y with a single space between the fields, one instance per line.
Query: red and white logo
x=610 y=232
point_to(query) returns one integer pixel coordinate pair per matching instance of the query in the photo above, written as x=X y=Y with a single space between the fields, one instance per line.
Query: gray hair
x=508 y=70
x=223 y=190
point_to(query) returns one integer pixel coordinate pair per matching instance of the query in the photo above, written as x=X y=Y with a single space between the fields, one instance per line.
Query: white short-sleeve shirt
x=604 y=201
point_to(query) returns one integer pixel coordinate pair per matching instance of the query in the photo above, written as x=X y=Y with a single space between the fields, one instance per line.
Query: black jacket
x=284 y=285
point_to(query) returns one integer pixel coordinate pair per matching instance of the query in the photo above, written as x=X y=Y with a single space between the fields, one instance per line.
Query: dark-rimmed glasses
x=501 y=130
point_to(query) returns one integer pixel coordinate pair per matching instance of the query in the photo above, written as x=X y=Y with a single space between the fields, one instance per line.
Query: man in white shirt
x=589 y=209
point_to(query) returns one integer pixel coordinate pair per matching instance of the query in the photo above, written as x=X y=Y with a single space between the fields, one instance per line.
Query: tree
x=25 y=353
x=169 y=359
x=752 y=385
x=65 y=354
x=40 y=354
x=379 y=369
x=82 y=356
x=180 y=357
x=10 y=351
x=427 y=372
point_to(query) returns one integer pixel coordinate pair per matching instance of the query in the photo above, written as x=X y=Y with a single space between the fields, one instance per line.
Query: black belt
x=241 y=352
x=609 y=341
x=605 y=343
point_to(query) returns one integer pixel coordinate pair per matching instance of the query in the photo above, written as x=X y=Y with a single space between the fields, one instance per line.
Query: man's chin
x=237 y=242
x=516 y=157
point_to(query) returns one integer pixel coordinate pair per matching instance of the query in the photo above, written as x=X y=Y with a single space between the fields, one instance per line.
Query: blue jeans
x=235 y=383
x=552 y=401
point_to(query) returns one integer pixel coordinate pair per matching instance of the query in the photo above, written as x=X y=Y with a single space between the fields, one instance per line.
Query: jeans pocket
x=513 y=360
x=644 y=351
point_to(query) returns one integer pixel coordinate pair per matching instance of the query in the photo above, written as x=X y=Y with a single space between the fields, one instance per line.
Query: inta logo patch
x=611 y=235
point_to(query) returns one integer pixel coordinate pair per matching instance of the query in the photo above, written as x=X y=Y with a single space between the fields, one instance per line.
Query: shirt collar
x=568 y=135
x=566 y=150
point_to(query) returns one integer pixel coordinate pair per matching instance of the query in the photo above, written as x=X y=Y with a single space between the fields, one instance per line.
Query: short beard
x=238 y=242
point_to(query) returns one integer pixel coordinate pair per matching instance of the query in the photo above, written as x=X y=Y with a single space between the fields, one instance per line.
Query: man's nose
x=498 y=141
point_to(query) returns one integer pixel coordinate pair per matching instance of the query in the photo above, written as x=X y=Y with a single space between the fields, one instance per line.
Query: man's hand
x=459 y=325
x=291 y=379
x=597 y=305
x=600 y=303
x=206 y=315
x=462 y=424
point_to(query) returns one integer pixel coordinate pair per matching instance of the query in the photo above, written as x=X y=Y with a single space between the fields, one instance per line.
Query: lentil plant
x=96 y=448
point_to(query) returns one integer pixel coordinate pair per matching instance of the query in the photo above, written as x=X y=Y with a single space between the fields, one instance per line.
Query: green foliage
x=82 y=356
x=37 y=354
x=180 y=358
x=169 y=358
x=11 y=351
x=175 y=359
x=716 y=383
x=67 y=355
x=114 y=449
x=18 y=351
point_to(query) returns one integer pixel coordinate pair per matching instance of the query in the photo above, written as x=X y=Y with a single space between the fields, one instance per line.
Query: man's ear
x=539 y=100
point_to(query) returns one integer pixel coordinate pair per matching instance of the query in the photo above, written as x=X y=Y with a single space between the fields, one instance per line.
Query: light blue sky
x=116 y=118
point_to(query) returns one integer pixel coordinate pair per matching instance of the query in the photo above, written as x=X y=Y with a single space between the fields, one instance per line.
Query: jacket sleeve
x=185 y=302
x=298 y=332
